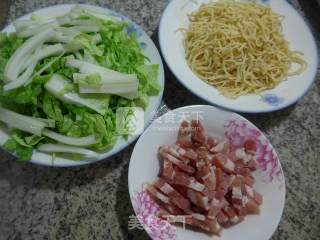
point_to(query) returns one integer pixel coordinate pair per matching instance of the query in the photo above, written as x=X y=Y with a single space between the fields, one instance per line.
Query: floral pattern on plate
x=272 y=99
x=146 y=211
x=238 y=131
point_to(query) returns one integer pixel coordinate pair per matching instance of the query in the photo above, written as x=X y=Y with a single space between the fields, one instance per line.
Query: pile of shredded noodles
x=239 y=48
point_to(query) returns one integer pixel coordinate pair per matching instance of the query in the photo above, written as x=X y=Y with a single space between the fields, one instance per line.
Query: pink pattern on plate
x=237 y=131
x=146 y=210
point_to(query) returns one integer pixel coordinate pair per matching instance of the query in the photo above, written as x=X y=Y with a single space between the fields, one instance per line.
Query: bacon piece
x=188 y=153
x=184 y=144
x=183 y=179
x=202 y=153
x=250 y=146
x=240 y=153
x=198 y=199
x=222 y=161
x=242 y=171
x=184 y=131
x=208 y=225
x=183 y=154
x=171 y=209
x=222 y=218
x=209 y=158
x=184 y=135
x=252 y=207
x=240 y=210
x=175 y=197
x=219 y=178
x=197 y=135
x=254 y=195
x=170 y=150
x=200 y=164
x=214 y=226
x=229 y=212
x=208 y=176
x=219 y=195
x=258 y=198
x=210 y=142
x=223 y=182
x=202 y=172
x=215 y=207
x=157 y=195
x=230 y=180
x=208 y=193
x=197 y=209
x=162 y=213
x=173 y=151
x=167 y=210
x=180 y=189
x=236 y=190
x=167 y=156
x=252 y=165
x=232 y=156
x=239 y=163
x=198 y=216
x=249 y=180
x=238 y=181
x=249 y=191
x=221 y=147
x=200 y=224
x=167 y=170
x=236 y=195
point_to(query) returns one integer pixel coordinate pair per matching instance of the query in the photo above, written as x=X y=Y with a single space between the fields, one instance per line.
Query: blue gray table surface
x=92 y=202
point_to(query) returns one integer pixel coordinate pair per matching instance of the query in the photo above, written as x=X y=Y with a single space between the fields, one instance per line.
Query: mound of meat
x=205 y=181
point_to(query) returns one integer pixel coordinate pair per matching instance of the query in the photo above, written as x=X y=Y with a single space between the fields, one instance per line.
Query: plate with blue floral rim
x=144 y=169
x=149 y=50
x=296 y=31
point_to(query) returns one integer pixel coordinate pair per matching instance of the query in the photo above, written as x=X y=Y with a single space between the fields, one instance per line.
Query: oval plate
x=144 y=168
x=296 y=31
x=149 y=50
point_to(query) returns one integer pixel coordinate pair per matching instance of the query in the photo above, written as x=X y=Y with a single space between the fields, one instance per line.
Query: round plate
x=144 y=168
x=149 y=50
x=296 y=31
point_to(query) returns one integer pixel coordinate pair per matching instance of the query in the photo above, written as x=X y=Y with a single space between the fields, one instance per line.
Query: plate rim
x=132 y=191
x=275 y=108
x=153 y=111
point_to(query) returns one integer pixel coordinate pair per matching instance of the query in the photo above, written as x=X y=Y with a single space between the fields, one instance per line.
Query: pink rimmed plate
x=144 y=168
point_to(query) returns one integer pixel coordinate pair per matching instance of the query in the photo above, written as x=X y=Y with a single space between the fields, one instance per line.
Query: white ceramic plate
x=286 y=93
x=144 y=168
x=149 y=50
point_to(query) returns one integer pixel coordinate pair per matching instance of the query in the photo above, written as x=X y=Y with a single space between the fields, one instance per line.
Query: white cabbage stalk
x=74 y=47
x=30 y=64
x=20 y=67
x=12 y=69
x=61 y=148
x=80 y=11
x=22 y=122
x=74 y=141
x=125 y=86
x=112 y=82
x=50 y=123
x=57 y=85
x=87 y=29
x=36 y=29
